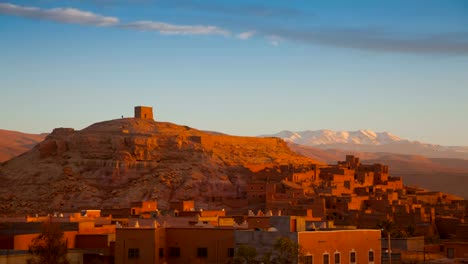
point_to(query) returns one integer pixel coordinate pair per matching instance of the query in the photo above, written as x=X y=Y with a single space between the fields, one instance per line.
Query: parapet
x=144 y=112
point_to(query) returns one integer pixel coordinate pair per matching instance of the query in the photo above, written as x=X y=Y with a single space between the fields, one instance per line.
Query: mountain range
x=370 y=141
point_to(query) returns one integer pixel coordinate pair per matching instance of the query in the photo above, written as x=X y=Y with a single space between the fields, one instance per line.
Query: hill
x=115 y=162
x=13 y=143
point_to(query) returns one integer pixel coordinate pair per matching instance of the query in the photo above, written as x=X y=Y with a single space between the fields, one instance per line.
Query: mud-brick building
x=151 y=245
x=320 y=246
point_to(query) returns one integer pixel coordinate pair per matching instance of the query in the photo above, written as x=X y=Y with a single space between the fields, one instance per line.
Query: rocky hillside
x=13 y=143
x=112 y=163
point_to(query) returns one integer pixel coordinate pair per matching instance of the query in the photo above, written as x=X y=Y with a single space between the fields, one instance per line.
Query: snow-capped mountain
x=325 y=137
x=369 y=141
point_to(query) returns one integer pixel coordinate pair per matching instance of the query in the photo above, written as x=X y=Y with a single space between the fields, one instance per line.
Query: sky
x=239 y=67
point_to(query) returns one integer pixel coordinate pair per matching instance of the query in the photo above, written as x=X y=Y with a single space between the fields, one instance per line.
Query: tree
x=49 y=247
x=245 y=255
x=410 y=230
x=285 y=251
x=389 y=227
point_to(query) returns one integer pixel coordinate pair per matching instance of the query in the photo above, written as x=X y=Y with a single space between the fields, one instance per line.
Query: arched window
x=326 y=258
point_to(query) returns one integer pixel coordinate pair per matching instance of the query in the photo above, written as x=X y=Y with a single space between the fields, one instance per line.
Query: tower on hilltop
x=144 y=112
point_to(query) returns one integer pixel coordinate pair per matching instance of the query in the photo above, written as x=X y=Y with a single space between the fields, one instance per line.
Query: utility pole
x=424 y=254
x=389 y=248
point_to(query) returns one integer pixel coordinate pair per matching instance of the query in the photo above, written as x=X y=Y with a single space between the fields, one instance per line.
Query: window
x=450 y=253
x=174 y=252
x=326 y=259
x=308 y=260
x=230 y=252
x=337 y=258
x=202 y=252
x=352 y=257
x=371 y=256
x=161 y=252
x=133 y=253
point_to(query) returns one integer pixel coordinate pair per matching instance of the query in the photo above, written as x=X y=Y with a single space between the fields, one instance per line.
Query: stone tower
x=144 y=112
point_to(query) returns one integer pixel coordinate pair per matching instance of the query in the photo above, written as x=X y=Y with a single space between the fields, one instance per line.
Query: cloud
x=274 y=40
x=246 y=35
x=380 y=40
x=76 y=16
x=165 y=28
x=61 y=15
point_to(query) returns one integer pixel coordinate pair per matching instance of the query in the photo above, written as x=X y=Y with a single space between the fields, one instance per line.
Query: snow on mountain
x=288 y=135
x=325 y=137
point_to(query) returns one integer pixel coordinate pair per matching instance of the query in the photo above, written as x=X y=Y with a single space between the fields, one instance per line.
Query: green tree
x=245 y=255
x=285 y=251
x=49 y=247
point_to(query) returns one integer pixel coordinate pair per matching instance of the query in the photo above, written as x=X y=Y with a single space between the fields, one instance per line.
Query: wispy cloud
x=76 y=16
x=61 y=15
x=165 y=28
x=246 y=35
x=379 y=40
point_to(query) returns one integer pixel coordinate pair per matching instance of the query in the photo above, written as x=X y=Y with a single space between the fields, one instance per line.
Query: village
x=233 y=132
x=343 y=213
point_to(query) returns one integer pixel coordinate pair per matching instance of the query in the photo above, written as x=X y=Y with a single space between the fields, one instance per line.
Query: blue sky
x=239 y=67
